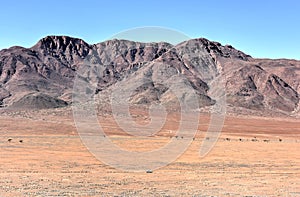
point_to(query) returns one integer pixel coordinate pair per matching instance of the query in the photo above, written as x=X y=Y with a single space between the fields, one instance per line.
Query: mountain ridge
x=49 y=68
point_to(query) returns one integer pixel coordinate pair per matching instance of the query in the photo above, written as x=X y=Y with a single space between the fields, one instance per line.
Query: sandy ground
x=253 y=157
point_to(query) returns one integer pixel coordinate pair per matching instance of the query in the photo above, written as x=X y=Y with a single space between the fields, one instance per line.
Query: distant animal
x=266 y=140
x=241 y=140
x=280 y=140
x=227 y=139
x=9 y=140
x=149 y=171
x=21 y=141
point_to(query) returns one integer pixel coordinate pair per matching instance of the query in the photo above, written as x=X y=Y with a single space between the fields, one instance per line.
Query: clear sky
x=262 y=28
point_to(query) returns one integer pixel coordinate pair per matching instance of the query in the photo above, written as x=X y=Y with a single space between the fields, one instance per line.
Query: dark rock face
x=43 y=76
x=254 y=88
x=280 y=95
x=38 y=101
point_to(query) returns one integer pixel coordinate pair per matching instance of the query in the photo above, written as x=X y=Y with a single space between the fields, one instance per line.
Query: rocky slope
x=42 y=76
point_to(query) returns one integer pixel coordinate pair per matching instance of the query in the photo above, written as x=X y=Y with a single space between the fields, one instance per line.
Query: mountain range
x=43 y=76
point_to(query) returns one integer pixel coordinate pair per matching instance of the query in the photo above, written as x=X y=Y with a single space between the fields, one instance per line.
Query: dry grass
x=51 y=161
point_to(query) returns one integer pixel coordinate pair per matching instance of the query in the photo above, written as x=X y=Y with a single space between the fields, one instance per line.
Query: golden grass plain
x=52 y=161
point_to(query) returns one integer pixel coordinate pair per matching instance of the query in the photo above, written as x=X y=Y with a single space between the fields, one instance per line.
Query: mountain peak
x=217 y=49
x=61 y=46
x=60 y=43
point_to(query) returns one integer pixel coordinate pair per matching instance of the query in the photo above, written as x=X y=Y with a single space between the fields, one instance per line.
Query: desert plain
x=43 y=155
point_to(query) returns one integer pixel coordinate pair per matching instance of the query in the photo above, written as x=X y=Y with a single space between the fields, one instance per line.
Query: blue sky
x=260 y=28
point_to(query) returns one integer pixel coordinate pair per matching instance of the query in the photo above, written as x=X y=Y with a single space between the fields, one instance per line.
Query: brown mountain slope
x=45 y=74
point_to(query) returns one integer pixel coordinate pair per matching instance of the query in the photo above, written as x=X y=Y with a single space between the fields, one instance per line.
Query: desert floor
x=253 y=157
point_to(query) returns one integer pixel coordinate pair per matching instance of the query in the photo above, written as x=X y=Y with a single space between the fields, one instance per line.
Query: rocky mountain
x=43 y=76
